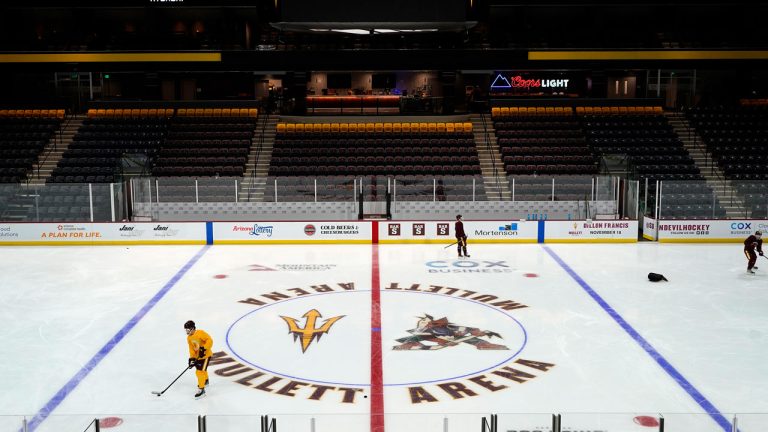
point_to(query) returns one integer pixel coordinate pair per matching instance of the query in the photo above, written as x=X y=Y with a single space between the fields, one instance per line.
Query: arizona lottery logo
x=309 y=230
x=479 y=339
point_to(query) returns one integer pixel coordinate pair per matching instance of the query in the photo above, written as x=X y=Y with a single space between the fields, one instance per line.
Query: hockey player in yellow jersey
x=200 y=344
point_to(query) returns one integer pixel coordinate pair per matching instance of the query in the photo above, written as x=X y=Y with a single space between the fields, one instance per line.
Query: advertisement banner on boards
x=596 y=231
x=709 y=231
x=66 y=233
x=292 y=232
x=443 y=231
x=649 y=228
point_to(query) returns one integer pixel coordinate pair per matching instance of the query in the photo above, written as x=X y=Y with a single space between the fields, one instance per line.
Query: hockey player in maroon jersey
x=752 y=243
x=461 y=236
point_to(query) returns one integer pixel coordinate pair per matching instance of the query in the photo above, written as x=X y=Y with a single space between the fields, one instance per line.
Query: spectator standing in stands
x=752 y=243
x=461 y=236
x=200 y=344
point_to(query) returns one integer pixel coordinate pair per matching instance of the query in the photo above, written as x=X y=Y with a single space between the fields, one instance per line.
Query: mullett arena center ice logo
x=319 y=343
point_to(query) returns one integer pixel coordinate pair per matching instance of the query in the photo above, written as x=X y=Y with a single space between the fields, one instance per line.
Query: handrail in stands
x=487 y=138
x=259 y=149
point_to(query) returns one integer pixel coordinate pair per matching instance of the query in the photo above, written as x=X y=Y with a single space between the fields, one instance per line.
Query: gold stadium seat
x=450 y=128
x=299 y=128
x=415 y=128
x=378 y=127
x=335 y=127
x=353 y=127
x=281 y=128
x=290 y=128
x=387 y=127
x=405 y=128
x=467 y=127
x=397 y=128
x=370 y=128
x=344 y=127
x=505 y=111
x=253 y=112
x=440 y=127
x=431 y=127
x=495 y=112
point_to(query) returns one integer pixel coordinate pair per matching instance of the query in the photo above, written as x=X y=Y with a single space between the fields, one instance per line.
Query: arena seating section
x=428 y=160
x=736 y=138
x=542 y=141
x=194 y=142
x=23 y=136
x=202 y=143
x=183 y=142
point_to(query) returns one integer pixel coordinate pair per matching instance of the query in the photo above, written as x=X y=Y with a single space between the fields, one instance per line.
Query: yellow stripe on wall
x=590 y=240
x=103 y=243
x=435 y=241
x=648 y=55
x=256 y=242
x=700 y=240
x=111 y=57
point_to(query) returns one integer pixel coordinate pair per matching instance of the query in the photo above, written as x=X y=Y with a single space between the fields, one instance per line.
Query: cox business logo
x=259 y=230
x=741 y=225
x=467 y=266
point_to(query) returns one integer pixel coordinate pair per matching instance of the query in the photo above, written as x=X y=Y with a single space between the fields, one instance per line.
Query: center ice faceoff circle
x=426 y=338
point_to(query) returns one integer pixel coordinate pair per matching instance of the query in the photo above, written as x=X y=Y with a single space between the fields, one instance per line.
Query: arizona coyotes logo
x=309 y=332
x=435 y=334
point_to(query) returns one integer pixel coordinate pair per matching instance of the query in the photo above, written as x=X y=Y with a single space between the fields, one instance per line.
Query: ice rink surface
x=408 y=337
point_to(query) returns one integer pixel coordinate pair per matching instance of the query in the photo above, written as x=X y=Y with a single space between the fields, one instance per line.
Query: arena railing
x=701 y=199
x=403 y=422
x=142 y=197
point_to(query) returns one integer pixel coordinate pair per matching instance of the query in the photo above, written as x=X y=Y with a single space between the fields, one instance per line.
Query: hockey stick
x=450 y=245
x=172 y=382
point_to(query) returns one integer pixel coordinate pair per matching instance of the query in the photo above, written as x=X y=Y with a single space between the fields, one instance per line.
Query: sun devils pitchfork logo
x=309 y=332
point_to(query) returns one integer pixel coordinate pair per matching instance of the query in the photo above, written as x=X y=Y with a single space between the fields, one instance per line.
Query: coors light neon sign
x=518 y=81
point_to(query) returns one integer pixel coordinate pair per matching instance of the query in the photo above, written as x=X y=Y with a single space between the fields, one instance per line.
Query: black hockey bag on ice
x=655 y=277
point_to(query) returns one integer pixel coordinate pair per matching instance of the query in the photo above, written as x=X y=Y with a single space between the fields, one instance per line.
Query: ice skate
x=200 y=393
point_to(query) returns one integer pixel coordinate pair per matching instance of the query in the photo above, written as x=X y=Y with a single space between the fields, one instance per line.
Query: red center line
x=377 y=374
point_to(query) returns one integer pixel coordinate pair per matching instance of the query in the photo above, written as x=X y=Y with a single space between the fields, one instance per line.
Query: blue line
x=209 y=233
x=59 y=397
x=644 y=344
x=540 y=237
